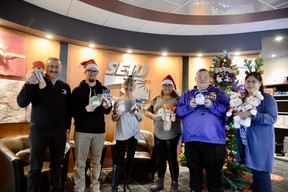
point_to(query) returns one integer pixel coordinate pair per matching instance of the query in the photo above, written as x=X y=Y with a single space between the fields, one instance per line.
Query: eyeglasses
x=91 y=71
x=167 y=85
x=253 y=81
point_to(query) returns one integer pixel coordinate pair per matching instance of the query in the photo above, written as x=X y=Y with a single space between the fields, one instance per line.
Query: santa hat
x=90 y=64
x=38 y=64
x=169 y=80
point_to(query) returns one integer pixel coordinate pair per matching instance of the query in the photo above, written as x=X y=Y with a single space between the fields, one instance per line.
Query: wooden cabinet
x=281 y=127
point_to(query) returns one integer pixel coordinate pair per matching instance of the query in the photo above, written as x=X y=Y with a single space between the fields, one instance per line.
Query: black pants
x=39 y=141
x=206 y=156
x=167 y=150
x=120 y=148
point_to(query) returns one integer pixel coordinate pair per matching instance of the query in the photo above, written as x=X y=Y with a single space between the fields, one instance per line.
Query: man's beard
x=92 y=80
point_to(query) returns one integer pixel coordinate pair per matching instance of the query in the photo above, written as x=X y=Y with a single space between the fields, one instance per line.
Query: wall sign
x=117 y=72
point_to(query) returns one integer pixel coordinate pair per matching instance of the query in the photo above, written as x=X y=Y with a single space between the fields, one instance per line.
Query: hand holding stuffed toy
x=235 y=102
x=35 y=76
x=168 y=116
x=137 y=107
x=106 y=98
x=120 y=108
x=249 y=105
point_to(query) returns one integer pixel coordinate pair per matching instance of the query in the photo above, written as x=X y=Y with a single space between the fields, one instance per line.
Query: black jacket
x=50 y=106
x=88 y=122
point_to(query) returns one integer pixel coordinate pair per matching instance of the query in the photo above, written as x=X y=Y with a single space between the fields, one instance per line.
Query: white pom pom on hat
x=89 y=64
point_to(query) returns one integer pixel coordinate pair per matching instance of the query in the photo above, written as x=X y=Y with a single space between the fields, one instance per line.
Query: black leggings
x=120 y=148
x=167 y=150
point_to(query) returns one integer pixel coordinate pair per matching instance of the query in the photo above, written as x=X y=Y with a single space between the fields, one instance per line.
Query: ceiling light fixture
x=237 y=53
x=273 y=55
x=199 y=55
x=129 y=51
x=92 y=45
x=278 y=38
x=48 y=36
x=164 y=54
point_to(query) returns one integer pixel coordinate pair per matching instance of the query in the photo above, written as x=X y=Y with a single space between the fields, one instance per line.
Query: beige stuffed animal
x=168 y=116
x=249 y=105
x=235 y=102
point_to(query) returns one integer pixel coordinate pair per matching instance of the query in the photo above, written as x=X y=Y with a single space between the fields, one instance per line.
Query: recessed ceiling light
x=237 y=53
x=273 y=55
x=199 y=55
x=91 y=45
x=278 y=38
x=129 y=51
x=164 y=54
x=48 y=36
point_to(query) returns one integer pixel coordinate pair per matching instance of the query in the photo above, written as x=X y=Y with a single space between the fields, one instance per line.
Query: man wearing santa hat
x=88 y=113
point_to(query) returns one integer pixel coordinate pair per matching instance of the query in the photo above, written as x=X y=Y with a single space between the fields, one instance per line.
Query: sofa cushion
x=141 y=145
x=24 y=156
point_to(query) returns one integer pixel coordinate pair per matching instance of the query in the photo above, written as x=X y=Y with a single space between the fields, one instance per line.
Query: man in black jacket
x=50 y=123
x=88 y=112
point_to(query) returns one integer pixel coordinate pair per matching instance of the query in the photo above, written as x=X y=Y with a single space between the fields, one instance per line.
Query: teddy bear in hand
x=249 y=105
x=35 y=76
x=235 y=102
x=106 y=98
x=168 y=116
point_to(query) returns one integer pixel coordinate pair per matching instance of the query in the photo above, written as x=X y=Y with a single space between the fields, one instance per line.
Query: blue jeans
x=262 y=180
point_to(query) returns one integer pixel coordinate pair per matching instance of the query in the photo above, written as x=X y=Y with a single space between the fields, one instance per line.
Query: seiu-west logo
x=118 y=71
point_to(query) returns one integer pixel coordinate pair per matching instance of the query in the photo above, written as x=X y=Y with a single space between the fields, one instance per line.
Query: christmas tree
x=223 y=74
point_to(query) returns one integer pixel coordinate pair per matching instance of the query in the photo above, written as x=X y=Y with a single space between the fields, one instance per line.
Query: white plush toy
x=235 y=102
x=249 y=105
x=168 y=116
x=120 y=108
x=95 y=100
x=200 y=99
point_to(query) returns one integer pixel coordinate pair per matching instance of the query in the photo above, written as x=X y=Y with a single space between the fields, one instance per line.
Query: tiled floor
x=142 y=184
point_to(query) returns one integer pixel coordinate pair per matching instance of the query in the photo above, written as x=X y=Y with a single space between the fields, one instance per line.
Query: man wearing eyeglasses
x=88 y=113
x=49 y=125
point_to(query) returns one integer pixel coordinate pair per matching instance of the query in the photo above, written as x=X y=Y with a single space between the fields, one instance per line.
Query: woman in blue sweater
x=256 y=144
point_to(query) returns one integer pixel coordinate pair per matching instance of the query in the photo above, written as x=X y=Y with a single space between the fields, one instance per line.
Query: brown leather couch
x=13 y=169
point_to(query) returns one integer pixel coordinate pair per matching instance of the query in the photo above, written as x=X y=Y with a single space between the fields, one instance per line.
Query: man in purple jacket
x=203 y=111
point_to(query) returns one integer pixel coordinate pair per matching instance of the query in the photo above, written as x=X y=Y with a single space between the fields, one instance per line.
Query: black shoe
x=174 y=187
x=158 y=185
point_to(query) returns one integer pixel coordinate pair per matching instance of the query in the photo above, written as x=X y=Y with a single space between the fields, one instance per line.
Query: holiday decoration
x=223 y=72
x=168 y=116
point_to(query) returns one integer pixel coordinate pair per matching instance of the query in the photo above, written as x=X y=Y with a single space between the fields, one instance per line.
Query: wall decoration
x=12 y=54
x=10 y=111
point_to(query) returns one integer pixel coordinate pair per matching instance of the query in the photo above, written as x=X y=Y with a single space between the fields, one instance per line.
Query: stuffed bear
x=120 y=108
x=37 y=74
x=235 y=102
x=95 y=100
x=137 y=106
x=249 y=105
x=200 y=99
x=106 y=98
x=168 y=116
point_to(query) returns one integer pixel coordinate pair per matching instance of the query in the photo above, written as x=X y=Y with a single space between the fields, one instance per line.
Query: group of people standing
x=200 y=122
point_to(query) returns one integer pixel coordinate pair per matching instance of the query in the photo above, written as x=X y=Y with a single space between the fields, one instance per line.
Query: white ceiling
x=82 y=11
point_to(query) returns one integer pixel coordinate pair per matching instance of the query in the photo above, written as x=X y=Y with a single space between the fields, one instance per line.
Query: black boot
x=115 y=176
x=158 y=185
x=174 y=186
x=127 y=176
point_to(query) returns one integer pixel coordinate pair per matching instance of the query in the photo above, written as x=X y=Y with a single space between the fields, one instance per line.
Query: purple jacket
x=201 y=123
